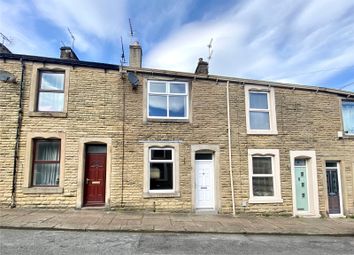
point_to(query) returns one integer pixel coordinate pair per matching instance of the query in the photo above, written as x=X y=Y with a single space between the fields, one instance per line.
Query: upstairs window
x=348 y=117
x=50 y=96
x=260 y=110
x=46 y=162
x=167 y=100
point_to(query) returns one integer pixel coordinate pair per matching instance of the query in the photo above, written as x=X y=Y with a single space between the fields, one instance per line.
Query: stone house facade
x=84 y=134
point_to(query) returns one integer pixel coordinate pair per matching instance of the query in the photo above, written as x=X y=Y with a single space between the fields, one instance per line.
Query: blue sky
x=302 y=41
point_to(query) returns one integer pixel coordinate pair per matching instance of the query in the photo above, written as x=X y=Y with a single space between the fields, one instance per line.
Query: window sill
x=258 y=132
x=268 y=200
x=48 y=114
x=348 y=136
x=167 y=120
x=162 y=194
x=43 y=190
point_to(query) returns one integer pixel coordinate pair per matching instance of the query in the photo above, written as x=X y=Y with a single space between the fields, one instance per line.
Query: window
x=161 y=169
x=264 y=176
x=50 y=92
x=348 y=117
x=260 y=109
x=46 y=162
x=167 y=100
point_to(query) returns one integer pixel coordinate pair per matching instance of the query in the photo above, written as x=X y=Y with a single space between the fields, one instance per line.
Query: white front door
x=205 y=194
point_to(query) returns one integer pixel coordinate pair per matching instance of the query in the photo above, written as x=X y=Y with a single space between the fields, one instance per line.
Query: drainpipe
x=230 y=151
x=123 y=141
x=18 y=134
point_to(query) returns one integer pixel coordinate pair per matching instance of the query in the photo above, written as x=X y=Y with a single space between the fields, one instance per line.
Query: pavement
x=135 y=221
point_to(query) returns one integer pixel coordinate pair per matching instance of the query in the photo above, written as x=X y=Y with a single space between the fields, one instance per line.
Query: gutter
x=229 y=147
x=241 y=81
x=18 y=135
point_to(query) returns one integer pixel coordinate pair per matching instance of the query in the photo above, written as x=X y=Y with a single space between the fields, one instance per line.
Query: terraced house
x=83 y=134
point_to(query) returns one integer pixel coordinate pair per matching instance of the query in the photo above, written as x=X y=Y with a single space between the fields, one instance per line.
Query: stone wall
x=306 y=120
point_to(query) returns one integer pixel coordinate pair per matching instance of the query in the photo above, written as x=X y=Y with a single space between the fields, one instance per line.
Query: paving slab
x=102 y=220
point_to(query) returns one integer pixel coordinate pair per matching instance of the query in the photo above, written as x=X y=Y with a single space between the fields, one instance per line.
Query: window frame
x=274 y=155
x=27 y=187
x=35 y=83
x=263 y=175
x=162 y=161
x=168 y=94
x=271 y=109
x=345 y=133
x=40 y=90
x=34 y=161
x=148 y=146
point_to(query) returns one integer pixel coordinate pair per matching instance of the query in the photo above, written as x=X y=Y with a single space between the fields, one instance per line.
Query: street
x=72 y=242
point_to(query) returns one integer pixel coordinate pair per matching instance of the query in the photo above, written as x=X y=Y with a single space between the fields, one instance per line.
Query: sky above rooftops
x=308 y=42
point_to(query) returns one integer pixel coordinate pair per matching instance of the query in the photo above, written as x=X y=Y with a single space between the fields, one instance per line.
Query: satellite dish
x=7 y=77
x=133 y=80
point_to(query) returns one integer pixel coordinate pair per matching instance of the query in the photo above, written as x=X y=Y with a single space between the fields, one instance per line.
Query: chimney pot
x=68 y=53
x=202 y=67
x=4 y=49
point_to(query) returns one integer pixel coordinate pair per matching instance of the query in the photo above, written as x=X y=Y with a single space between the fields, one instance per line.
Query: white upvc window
x=264 y=176
x=348 y=117
x=167 y=100
x=260 y=110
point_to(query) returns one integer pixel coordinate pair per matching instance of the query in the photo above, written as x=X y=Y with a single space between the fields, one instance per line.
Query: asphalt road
x=71 y=242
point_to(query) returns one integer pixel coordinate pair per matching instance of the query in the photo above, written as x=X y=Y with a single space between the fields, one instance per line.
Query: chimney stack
x=67 y=53
x=202 y=67
x=135 y=55
x=4 y=49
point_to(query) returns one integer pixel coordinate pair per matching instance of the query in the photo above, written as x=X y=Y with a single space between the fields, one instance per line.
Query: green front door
x=301 y=185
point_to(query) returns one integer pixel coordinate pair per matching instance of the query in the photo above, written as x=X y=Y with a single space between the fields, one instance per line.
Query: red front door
x=95 y=178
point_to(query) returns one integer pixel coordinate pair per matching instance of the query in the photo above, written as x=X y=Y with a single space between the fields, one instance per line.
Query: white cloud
x=260 y=39
x=103 y=19
x=16 y=24
x=275 y=40
x=86 y=19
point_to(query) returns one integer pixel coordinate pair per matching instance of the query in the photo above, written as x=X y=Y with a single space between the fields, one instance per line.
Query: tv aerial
x=210 y=49
x=122 y=58
x=131 y=32
x=72 y=38
x=4 y=39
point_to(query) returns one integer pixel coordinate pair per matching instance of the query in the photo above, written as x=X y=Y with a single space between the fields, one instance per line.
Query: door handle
x=87 y=180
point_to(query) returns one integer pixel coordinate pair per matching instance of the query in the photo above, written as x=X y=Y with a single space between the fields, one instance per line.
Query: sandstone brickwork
x=102 y=104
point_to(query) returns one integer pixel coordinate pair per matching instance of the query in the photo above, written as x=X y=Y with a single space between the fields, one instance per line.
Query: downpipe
x=229 y=147
x=18 y=135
